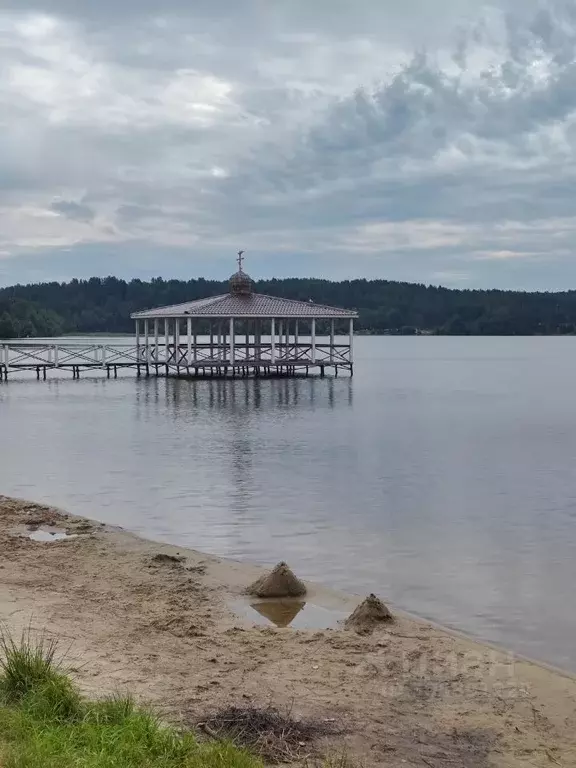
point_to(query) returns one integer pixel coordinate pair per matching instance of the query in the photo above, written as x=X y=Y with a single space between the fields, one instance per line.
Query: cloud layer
x=370 y=139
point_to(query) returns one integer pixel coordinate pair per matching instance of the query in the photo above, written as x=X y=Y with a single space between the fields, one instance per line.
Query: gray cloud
x=390 y=140
x=72 y=210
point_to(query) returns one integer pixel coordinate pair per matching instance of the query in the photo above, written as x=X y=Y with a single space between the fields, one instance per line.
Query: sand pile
x=280 y=582
x=368 y=615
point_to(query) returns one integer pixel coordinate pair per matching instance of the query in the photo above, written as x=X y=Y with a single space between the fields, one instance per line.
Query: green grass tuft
x=26 y=664
x=113 y=710
x=45 y=723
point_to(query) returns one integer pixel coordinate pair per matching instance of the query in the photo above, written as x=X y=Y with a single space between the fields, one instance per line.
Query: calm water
x=442 y=477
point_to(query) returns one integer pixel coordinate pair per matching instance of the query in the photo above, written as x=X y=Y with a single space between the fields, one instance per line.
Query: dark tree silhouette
x=105 y=304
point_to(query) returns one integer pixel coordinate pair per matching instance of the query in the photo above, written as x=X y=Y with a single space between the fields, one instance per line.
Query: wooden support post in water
x=296 y=338
x=351 y=342
x=156 y=340
x=147 y=341
x=313 y=341
x=332 y=341
x=280 y=330
x=166 y=343
x=177 y=344
x=232 y=342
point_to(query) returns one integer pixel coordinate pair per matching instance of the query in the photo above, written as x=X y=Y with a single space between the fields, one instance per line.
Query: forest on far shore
x=103 y=305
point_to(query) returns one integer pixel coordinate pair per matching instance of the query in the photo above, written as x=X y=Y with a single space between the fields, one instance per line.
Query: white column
x=287 y=338
x=166 y=339
x=177 y=341
x=138 y=340
x=103 y=348
x=331 y=341
x=351 y=339
x=156 y=334
x=280 y=339
x=55 y=356
x=232 y=340
x=147 y=340
x=296 y=336
x=189 y=334
x=314 y=340
x=219 y=340
x=6 y=355
x=273 y=339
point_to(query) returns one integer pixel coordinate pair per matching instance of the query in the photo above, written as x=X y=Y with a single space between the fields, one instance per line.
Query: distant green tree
x=105 y=304
x=7 y=330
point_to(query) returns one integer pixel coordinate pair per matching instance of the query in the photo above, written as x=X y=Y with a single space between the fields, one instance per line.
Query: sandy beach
x=172 y=626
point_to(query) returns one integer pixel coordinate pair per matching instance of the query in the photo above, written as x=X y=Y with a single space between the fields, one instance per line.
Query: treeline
x=105 y=304
x=20 y=319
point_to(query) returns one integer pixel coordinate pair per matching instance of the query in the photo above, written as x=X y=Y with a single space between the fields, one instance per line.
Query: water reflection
x=287 y=612
x=279 y=612
x=248 y=394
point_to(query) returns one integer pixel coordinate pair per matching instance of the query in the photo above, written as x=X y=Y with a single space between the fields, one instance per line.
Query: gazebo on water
x=243 y=333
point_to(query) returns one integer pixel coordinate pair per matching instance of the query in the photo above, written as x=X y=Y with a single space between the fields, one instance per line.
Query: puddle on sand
x=45 y=536
x=287 y=612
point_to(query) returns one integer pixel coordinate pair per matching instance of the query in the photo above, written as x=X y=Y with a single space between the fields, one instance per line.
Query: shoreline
x=323 y=596
x=411 y=692
x=327 y=597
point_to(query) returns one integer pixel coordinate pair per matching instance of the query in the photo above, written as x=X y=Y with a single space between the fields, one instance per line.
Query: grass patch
x=27 y=664
x=45 y=723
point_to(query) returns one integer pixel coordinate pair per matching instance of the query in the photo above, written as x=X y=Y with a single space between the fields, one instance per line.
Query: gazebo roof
x=246 y=305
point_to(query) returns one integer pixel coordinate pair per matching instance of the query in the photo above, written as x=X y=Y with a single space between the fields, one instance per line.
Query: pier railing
x=169 y=358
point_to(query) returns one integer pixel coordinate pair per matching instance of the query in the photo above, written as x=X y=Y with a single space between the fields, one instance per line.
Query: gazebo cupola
x=240 y=283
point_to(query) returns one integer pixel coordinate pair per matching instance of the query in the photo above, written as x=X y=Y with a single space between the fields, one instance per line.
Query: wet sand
x=177 y=632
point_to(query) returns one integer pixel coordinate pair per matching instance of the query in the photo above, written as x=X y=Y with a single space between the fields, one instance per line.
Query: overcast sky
x=421 y=140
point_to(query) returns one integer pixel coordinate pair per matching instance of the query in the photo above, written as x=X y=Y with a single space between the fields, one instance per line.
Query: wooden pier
x=204 y=358
x=238 y=334
x=42 y=356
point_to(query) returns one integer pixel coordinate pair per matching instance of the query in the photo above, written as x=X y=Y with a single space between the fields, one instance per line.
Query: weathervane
x=240 y=260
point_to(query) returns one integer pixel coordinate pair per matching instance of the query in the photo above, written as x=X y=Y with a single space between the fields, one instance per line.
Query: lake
x=442 y=476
